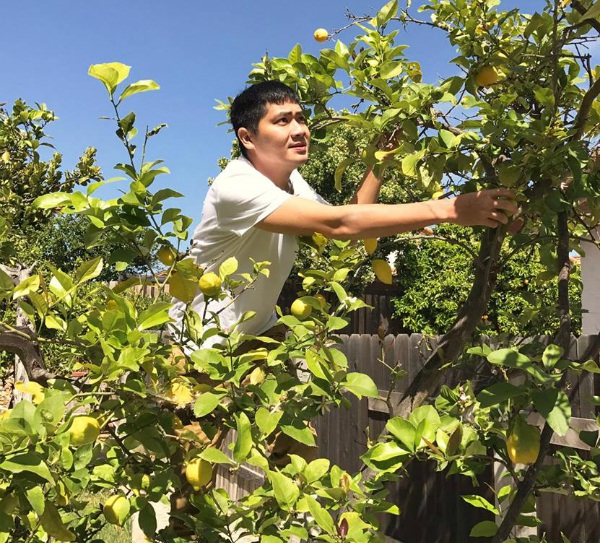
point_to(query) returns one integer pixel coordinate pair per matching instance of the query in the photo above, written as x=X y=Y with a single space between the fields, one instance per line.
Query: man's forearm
x=368 y=189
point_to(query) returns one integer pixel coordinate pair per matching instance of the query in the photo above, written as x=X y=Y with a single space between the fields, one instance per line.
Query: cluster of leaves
x=435 y=270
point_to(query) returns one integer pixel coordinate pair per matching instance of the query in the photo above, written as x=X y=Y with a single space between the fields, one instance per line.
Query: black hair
x=250 y=105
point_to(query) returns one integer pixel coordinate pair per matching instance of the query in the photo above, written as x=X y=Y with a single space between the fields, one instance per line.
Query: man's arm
x=368 y=189
x=298 y=216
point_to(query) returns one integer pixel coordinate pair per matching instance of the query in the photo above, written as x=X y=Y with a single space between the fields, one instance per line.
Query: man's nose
x=298 y=129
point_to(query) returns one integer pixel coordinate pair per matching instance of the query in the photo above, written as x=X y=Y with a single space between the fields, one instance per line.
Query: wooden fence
x=432 y=510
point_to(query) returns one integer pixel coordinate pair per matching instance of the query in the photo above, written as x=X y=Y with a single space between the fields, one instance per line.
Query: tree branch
x=584 y=110
x=453 y=342
x=22 y=342
x=581 y=9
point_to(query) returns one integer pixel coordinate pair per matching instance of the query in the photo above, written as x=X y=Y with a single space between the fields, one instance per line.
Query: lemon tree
x=163 y=404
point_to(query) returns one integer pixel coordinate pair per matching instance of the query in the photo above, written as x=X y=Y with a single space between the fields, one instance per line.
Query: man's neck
x=279 y=176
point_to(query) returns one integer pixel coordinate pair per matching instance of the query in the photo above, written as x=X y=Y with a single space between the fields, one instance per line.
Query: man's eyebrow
x=289 y=112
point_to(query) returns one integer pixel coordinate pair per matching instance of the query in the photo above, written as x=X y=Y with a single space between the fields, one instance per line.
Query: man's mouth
x=299 y=146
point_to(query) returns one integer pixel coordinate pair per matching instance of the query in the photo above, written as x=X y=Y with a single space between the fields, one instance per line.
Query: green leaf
x=6 y=285
x=426 y=420
x=316 y=469
x=35 y=496
x=266 y=420
x=360 y=385
x=480 y=502
x=139 y=86
x=155 y=315
x=554 y=406
x=31 y=284
x=228 y=267
x=206 y=403
x=385 y=456
x=321 y=515
x=403 y=430
x=339 y=171
x=88 y=270
x=147 y=520
x=551 y=356
x=590 y=366
x=487 y=528
x=391 y=69
x=410 y=162
x=300 y=432
x=285 y=489
x=51 y=409
x=110 y=73
x=50 y=201
x=498 y=393
x=30 y=462
x=387 y=12
x=336 y=323
x=243 y=443
x=53 y=524
x=215 y=456
x=508 y=357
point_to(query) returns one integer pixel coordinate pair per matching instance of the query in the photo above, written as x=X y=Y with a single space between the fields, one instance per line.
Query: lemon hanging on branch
x=487 y=76
x=321 y=34
x=198 y=473
x=166 y=255
x=523 y=442
x=300 y=309
x=84 y=430
x=116 y=509
x=210 y=284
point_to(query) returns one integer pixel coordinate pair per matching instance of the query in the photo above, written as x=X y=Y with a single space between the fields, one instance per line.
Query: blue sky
x=198 y=51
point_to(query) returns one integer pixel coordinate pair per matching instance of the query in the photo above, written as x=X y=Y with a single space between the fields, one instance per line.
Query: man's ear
x=245 y=137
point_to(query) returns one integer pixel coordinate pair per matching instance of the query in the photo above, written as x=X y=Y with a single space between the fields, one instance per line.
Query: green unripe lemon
x=166 y=255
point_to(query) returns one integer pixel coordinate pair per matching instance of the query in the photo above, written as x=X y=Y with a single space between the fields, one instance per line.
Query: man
x=258 y=206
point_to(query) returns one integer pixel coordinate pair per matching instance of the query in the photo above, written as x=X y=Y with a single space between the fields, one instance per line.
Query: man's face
x=282 y=138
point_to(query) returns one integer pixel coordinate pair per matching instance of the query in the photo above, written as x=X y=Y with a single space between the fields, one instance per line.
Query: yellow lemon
x=321 y=34
x=210 y=284
x=523 y=443
x=486 y=76
x=166 y=255
x=300 y=309
x=383 y=271
x=83 y=430
x=198 y=473
x=370 y=245
x=116 y=509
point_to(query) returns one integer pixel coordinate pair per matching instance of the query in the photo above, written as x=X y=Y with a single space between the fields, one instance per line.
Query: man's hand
x=491 y=207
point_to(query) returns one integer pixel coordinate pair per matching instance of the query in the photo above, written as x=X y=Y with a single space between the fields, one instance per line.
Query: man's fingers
x=499 y=217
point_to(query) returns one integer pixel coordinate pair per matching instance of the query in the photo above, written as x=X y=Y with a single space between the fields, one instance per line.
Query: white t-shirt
x=238 y=199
